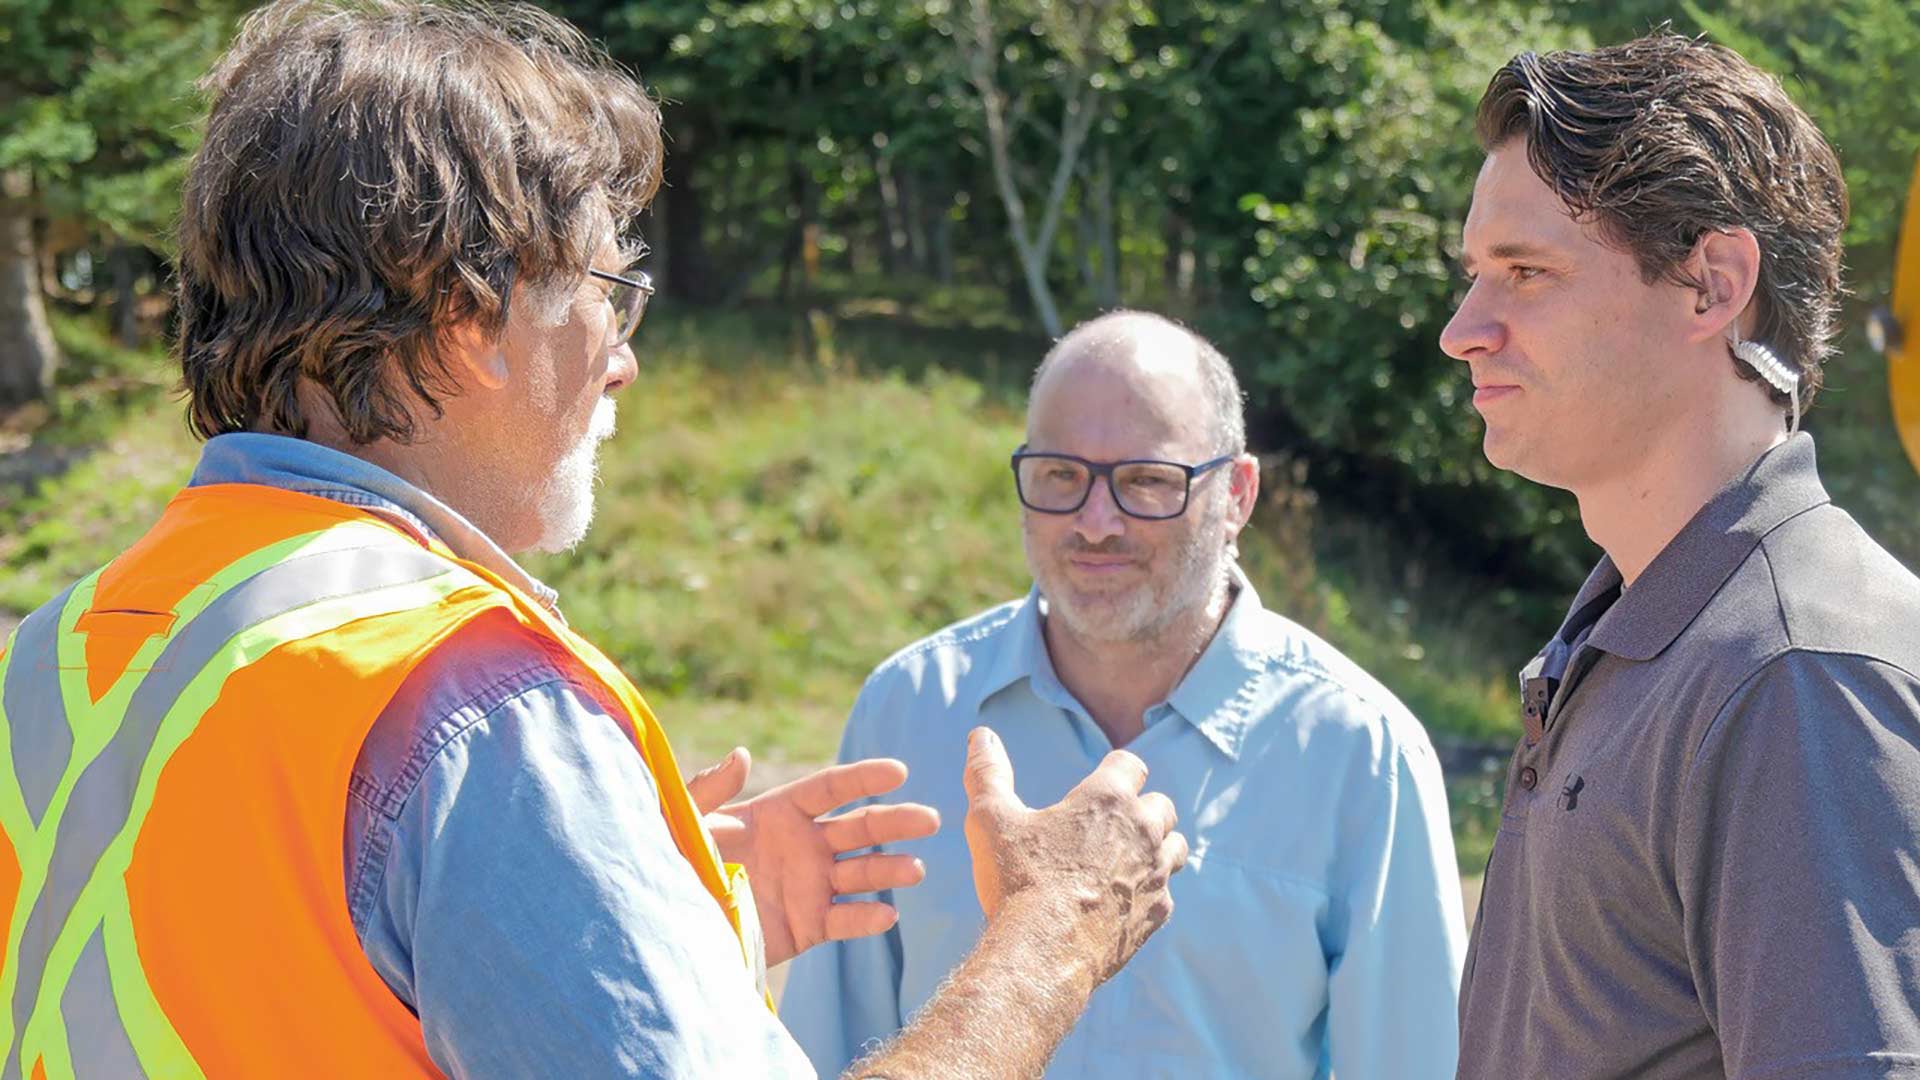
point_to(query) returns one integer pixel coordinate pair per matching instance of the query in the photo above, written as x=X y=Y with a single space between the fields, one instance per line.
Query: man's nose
x=1475 y=329
x=1099 y=517
x=622 y=367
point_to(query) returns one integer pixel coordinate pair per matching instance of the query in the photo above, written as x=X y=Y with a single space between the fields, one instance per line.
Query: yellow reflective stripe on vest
x=72 y=891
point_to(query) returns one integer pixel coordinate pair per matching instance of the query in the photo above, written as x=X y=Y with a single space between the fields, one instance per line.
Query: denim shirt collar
x=307 y=467
x=1214 y=696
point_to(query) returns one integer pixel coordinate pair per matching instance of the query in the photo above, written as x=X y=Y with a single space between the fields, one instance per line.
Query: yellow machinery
x=1895 y=329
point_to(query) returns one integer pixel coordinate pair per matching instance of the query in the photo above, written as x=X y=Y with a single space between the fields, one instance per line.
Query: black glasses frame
x=642 y=285
x=1096 y=470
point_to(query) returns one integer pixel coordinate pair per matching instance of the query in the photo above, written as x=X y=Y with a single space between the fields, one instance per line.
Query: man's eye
x=1147 y=482
x=1526 y=273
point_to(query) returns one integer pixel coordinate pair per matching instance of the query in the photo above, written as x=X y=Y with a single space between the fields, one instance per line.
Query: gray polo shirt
x=1709 y=859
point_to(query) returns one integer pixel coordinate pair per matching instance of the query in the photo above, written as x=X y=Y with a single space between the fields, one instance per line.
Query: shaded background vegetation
x=876 y=214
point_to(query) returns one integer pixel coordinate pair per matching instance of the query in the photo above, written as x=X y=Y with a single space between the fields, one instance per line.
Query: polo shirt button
x=1528 y=778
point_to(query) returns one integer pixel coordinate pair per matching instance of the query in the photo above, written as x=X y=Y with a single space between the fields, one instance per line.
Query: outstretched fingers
x=838 y=785
x=872 y=873
x=888 y=824
x=859 y=918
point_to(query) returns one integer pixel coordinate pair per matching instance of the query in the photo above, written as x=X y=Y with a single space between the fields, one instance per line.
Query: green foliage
x=97 y=101
x=1353 y=264
x=745 y=552
x=114 y=449
x=749 y=563
x=1849 y=63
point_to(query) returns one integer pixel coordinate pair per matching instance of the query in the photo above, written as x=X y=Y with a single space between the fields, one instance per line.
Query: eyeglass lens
x=1143 y=489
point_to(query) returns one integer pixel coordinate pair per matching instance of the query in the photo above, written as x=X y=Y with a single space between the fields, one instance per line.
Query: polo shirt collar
x=1782 y=483
x=1216 y=696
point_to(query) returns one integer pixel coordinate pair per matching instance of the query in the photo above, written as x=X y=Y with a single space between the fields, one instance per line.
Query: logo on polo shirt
x=1570 y=793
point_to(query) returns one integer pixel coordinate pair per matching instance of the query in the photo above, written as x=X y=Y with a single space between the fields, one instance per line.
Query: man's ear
x=1726 y=269
x=475 y=359
x=1243 y=488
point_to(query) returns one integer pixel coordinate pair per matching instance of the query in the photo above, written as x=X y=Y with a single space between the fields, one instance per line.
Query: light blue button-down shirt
x=1317 y=927
x=509 y=871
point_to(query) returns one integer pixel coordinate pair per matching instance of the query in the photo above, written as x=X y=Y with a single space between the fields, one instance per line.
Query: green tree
x=1353 y=265
x=1850 y=64
x=97 y=116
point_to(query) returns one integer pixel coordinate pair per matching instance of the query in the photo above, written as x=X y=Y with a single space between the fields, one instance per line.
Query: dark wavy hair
x=376 y=173
x=1666 y=138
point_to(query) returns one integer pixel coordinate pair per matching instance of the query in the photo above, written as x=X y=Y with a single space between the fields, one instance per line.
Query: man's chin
x=1508 y=454
x=1101 y=615
x=1501 y=451
x=564 y=531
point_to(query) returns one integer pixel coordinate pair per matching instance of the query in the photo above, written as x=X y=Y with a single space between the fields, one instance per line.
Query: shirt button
x=1528 y=778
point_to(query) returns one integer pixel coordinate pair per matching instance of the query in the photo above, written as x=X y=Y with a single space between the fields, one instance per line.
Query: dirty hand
x=1105 y=852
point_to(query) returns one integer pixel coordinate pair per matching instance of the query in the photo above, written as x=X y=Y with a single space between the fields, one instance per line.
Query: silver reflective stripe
x=101 y=801
x=99 y=1047
x=42 y=738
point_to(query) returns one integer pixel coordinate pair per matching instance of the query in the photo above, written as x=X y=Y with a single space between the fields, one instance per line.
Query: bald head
x=1173 y=371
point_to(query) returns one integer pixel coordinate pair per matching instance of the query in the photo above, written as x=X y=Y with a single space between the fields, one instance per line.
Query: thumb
x=989 y=775
x=714 y=785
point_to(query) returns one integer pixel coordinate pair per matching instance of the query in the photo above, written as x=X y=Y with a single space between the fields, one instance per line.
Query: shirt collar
x=1215 y=696
x=307 y=467
x=1218 y=693
x=1781 y=484
x=1024 y=656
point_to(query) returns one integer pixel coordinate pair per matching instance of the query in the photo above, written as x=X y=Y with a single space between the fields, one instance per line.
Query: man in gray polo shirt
x=1709 y=860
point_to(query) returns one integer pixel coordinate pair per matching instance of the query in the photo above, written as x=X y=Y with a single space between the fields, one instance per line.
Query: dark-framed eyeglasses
x=628 y=297
x=1141 y=487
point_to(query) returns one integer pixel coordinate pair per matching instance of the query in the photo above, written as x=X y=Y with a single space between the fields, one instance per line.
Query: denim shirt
x=509 y=872
x=1317 y=927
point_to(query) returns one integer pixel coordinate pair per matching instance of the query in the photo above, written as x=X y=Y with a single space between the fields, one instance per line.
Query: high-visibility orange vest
x=177 y=732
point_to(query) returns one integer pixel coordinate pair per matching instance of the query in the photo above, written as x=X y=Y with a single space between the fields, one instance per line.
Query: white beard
x=566 y=504
x=1196 y=570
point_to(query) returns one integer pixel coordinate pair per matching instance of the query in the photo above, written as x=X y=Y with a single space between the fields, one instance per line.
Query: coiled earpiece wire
x=1771 y=368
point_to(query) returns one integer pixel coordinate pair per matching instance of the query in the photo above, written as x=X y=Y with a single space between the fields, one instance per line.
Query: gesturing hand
x=792 y=853
x=1105 y=851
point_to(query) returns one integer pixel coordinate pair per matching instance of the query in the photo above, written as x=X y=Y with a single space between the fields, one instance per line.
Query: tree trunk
x=123 y=261
x=1179 y=265
x=28 y=355
x=935 y=228
x=690 y=272
x=941 y=242
x=1088 y=243
x=799 y=202
x=1076 y=120
x=892 y=219
x=913 y=218
x=1107 y=288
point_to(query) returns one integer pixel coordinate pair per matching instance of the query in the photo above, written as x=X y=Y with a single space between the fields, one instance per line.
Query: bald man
x=1318 y=924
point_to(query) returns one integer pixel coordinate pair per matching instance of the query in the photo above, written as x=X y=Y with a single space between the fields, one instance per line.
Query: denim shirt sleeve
x=513 y=880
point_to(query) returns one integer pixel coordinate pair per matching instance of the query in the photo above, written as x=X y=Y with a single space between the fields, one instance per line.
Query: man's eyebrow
x=632 y=249
x=1510 y=251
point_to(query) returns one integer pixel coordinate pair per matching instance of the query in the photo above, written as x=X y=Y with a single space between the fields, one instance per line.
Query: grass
x=122 y=451
x=789 y=500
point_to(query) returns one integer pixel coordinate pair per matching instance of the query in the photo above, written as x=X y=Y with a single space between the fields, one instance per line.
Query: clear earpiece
x=1771 y=368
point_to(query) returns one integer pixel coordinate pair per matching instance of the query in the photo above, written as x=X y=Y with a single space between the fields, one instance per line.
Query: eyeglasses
x=1142 y=488
x=628 y=298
